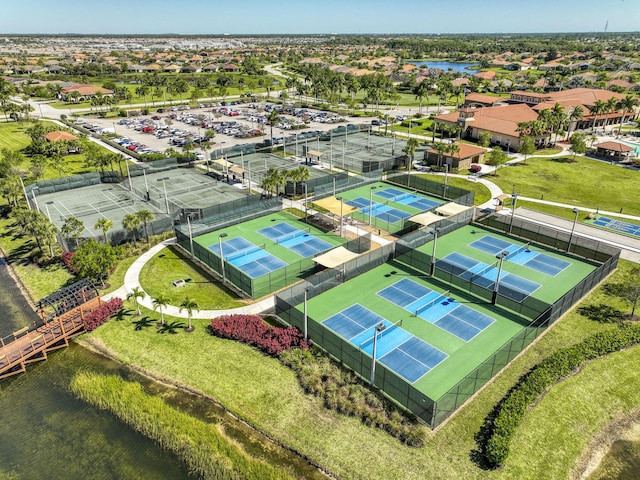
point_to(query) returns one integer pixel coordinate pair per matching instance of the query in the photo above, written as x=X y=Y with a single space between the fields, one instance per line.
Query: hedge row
x=252 y=330
x=101 y=314
x=344 y=392
x=501 y=424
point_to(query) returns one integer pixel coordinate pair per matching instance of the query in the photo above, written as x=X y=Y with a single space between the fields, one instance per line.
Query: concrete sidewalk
x=132 y=280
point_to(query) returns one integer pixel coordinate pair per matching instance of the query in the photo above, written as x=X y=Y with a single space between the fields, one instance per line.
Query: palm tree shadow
x=122 y=313
x=144 y=322
x=171 y=328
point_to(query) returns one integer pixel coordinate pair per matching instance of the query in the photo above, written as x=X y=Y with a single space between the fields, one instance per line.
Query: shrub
x=101 y=314
x=501 y=424
x=252 y=330
x=66 y=259
x=475 y=168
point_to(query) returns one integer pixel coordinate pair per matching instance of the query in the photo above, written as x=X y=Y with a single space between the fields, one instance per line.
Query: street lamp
x=514 y=199
x=189 y=215
x=341 y=204
x=435 y=233
x=573 y=227
x=164 y=187
x=33 y=194
x=501 y=256
x=220 y=237
x=371 y=203
x=379 y=328
x=46 y=206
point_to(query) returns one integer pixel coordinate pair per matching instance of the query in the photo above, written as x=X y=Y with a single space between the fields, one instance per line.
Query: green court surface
x=462 y=356
x=375 y=193
x=249 y=232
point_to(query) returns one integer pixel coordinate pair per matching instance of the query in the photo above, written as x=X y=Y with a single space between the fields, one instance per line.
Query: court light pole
x=379 y=328
x=190 y=234
x=573 y=227
x=371 y=203
x=341 y=203
x=146 y=185
x=446 y=174
x=306 y=291
x=432 y=267
x=220 y=237
x=126 y=164
x=164 y=187
x=501 y=256
x=46 y=206
x=24 y=191
x=305 y=201
x=514 y=199
x=33 y=194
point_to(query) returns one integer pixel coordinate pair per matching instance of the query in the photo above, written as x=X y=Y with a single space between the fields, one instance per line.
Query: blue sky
x=320 y=16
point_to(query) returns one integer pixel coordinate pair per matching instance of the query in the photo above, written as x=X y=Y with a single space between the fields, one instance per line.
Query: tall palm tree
x=131 y=223
x=627 y=104
x=611 y=106
x=105 y=225
x=274 y=119
x=575 y=116
x=160 y=303
x=145 y=216
x=420 y=91
x=598 y=108
x=189 y=304
x=440 y=149
x=135 y=294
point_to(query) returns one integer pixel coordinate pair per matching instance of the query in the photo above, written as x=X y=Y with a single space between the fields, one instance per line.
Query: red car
x=147 y=129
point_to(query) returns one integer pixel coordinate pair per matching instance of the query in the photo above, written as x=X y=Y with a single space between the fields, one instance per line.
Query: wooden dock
x=27 y=346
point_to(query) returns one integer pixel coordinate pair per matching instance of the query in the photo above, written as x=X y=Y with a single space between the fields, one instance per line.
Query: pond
x=462 y=67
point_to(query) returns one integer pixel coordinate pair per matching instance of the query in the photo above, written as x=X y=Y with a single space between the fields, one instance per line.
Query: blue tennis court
x=522 y=255
x=407 y=198
x=299 y=241
x=484 y=275
x=623 y=227
x=250 y=258
x=438 y=309
x=379 y=210
x=406 y=355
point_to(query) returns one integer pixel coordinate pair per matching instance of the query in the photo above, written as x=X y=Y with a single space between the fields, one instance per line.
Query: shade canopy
x=223 y=162
x=315 y=153
x=334 y=258
x=335 y=206
x=426 y=219
x=451 y=209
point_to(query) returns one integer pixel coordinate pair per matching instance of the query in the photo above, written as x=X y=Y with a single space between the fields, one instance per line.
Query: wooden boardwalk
x=30 y=346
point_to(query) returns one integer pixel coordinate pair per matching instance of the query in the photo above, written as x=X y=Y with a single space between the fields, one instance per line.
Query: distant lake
x=445 y=66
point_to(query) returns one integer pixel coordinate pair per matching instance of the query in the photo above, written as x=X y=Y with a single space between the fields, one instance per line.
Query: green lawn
x=170 y=264
x=265 y=393
x=482 y=193
x=12 y=135
x=580 y=183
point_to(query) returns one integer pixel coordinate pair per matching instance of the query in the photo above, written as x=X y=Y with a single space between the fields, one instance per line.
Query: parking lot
x=235 y=124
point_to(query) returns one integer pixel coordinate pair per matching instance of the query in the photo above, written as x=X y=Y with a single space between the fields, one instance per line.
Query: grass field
x=12 y=135
x=235 y=374
x=170 y=264
x=581 y=183
x=481 y=193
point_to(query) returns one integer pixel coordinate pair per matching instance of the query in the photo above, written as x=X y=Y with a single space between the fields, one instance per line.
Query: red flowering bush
x=66 y=259
x=250 y=329
x=101 y=314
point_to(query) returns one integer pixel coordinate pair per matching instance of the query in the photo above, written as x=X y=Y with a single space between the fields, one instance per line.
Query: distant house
x=212 y=67
x=230 y=67
x=488 y=75
x=476 y=100
x=462 y=160
x=85 y=91
x=60 y=135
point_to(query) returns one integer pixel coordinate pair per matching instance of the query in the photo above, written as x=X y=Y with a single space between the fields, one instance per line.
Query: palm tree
x=105 y=225
x=576 y=115
x=598 y=108
x=627 y=104
x=131 y=223
x=142 y=91
x=611 y=107
x=440 y=148
x=421 y=90
x=189 y=304
x=410 y=150
x=160 y=303
x=145 y=216
x=274 y=119
x=137 y=293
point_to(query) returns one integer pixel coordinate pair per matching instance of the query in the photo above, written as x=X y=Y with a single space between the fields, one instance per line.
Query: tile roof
x=60 y=135
x=501 y=119
x=466 y=151
x=614 y=146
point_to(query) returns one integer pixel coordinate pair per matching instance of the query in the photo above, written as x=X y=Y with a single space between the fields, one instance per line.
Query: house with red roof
x=461 y=160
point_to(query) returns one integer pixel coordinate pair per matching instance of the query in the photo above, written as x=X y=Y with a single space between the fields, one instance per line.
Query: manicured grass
x=202 y=446
x=12 y=135
x=168 y=265
x=547 y=152
x=235 y=374
x=482 y=193
x=581 y=183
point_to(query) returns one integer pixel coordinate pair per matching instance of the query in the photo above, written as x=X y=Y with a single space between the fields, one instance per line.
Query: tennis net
x=242 y=253
x=520 y=249
x=195 y=188
x=402 y=196
x=481 y=272
x=431 y=303
x=382 y=333
x=101 y=207
x=289 y=236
